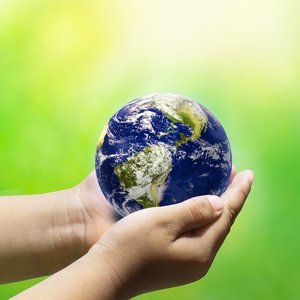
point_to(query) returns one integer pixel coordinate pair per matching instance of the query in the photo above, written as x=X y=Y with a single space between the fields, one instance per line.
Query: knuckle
x=200 y=208
x=204 y=257
x=229 y=220
x=231 y=212
x=198 y=264
x=231 y=215
x=169 y=228
x=203 y=202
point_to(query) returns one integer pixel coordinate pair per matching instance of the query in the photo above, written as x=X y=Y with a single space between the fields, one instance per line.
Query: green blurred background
x=67 y=66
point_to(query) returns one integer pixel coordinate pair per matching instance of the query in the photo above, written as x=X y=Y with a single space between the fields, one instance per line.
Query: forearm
x=88 y=278
x=39 y=234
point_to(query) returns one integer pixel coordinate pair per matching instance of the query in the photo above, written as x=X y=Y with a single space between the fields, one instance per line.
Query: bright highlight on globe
x=159 y=150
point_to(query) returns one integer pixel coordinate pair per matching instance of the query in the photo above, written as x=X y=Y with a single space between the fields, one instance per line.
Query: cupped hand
x=96 y=214
x=95 y=211
x=168 y=246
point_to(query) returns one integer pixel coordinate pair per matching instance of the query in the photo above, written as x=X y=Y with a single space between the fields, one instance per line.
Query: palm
x=97 y=213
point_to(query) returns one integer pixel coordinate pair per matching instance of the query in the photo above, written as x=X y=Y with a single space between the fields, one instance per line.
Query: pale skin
x=151 y=249
x=41 y=234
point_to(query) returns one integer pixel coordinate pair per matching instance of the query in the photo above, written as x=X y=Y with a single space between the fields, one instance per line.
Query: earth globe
x=159 y=150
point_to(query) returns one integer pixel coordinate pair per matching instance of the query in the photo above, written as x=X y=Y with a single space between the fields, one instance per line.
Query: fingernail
x=250 y=176
x=216 y=202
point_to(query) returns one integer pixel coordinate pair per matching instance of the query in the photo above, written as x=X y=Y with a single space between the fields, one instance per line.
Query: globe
x=159 y=150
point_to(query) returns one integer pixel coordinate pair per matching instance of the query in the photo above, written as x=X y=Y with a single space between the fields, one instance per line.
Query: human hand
x=168 y=246
x=49 y=231
x=151 y=249
x=95 y=213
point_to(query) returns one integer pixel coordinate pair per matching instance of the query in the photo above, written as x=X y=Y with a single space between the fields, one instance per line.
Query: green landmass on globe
x=138 y=176
x=160 y=126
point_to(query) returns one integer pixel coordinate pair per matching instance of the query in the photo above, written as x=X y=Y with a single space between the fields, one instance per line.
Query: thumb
x=193 y=213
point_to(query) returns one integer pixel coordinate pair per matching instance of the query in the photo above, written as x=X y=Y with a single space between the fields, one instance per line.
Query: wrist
x=80 y=217
x=114 y=271
x=107 y=276
x=67 y=228
x=45 y=234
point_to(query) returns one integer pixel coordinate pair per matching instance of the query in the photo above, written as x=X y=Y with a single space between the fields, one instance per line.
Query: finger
x=233 y=173
x=234 y=199
x=191 y=214
x=211 y=236
x=237 y=193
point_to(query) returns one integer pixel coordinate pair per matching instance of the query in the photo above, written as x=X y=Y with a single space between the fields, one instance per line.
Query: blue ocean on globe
x=159 y=150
